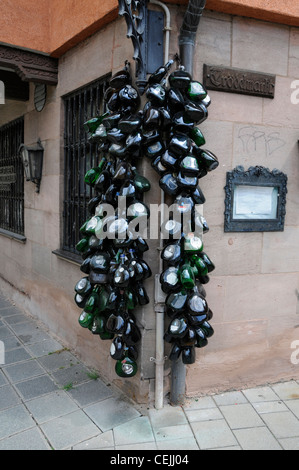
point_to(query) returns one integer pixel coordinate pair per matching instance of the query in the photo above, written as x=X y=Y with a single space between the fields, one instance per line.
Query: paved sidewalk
x=51 y=400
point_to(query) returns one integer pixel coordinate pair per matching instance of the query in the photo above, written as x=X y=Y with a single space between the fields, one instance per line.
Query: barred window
x=11 y=178
x=79 y=157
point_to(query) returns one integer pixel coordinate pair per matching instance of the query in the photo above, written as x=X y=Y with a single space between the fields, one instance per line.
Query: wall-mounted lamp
x=32 y=158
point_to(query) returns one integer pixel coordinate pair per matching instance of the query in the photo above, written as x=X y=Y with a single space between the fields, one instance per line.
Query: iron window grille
x=79 y=157
x=11 y=178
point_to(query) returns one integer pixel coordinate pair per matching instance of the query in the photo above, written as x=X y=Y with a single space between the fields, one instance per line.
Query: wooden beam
x=30 y=66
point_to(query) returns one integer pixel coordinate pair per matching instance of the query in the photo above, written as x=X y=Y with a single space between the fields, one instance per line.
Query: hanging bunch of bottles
x=176 y=106
x=166 y=132
x=113 y=266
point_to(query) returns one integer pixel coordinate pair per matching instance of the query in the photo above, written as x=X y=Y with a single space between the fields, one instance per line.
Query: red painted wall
x=53 y=27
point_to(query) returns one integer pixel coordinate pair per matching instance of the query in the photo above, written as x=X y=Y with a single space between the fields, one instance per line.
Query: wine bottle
x=92 y=304
x=117 y=349
x=82 y=245
x=180 y=145
x=193 y=244
x=182 y=123
x=172 y=253
x=126 y=368
x=169 y=184
x=137 y=209
x=187 y=276
x=180 y=79
x=80 y=300
x=132 y=334
x=188 y=355
x=129 y=97
x=141 y=294
x=176 y=101
x=156 y=94
x=189 y=166
x=93 y=174
x=177 y=328
x=196 y=91
x=83 y=287
x=197 y=136
x=116 y=323
x=208 y=160
x=100 y=263
x=197 y=304
x=92 y=124
x=121 y=78
x=176 y=302
x=210 y=265
x=169 y=160
x=142 y=184
x=187 y=181
x=200 y=265
x=201 y=339
x=130 y=124
x=121 y=276
x=175 y=352
x=86 y=319
x=98 y=325
x=169 y=279
x=160 y=73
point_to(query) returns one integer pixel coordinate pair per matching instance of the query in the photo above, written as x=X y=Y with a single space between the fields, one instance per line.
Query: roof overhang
x=30 y=66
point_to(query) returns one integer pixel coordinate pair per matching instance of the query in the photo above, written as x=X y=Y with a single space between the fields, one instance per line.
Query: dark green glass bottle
x=187 y=276
x=93 y=174
x=82 y=245
x=126 y=368
x=98 y=325
x=92 y=124
x=86 y=319
x=200 y=265
x=208 y=160
x=197 y=136
x=142 y=184
x=210 y=265
x=92 y=304
x=196 y=91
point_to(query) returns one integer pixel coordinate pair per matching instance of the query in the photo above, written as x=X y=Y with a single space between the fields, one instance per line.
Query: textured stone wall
x=253 y=292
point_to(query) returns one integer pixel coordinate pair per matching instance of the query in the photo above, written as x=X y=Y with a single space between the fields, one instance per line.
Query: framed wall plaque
x=255 y=200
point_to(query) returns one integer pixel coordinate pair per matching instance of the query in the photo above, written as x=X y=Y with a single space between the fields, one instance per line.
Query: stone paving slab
x=51 y=400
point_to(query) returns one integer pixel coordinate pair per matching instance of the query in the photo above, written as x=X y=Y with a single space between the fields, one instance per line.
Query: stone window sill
x=13 y=236
x=67 y=256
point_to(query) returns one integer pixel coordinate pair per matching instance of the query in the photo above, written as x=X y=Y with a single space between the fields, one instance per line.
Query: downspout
x=188 y=33
x=159 y=306
x=187 y=41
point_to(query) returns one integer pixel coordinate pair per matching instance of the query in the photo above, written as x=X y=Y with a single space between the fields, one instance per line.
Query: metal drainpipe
x=159 y=307
x=188 y=33
x=187 y=40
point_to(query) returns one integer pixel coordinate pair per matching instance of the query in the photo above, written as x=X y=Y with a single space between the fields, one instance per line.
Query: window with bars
x=79 y=157
x=11 y=178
